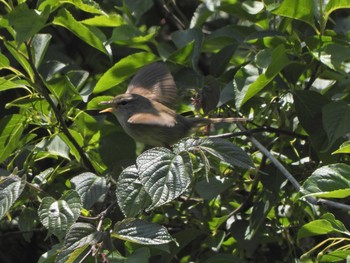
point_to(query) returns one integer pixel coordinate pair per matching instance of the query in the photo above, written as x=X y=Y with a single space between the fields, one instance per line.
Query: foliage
x=75 y=187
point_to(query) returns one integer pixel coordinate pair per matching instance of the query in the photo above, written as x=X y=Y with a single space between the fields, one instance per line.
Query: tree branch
x=41 y=88
x=289 y=176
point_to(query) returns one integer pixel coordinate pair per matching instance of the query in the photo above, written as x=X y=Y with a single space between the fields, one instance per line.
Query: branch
x=289 y=176
x=41 y=88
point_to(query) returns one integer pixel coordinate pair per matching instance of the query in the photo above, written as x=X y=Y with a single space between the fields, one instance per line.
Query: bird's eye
x=123 y=102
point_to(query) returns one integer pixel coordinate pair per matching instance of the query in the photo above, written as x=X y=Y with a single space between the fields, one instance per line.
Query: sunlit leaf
x=79 y=237
x=163 y=174
x=132 y=197
x=11 y=188
x=330 y=181
x=90 y=187
x=11 y=128
x=141 y=232
x=59 y=215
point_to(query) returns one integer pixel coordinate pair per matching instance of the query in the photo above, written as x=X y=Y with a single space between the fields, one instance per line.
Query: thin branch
x=169 y=15
x=41 y=87
x=259 y=130
x=289 y=176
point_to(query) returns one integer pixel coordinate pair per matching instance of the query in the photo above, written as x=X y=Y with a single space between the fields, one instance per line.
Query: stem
x=39 y=83
x=310 y=199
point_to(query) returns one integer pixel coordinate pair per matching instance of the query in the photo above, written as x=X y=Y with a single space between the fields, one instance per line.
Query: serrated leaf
x=122 y=70
x=10 y=189
x=58 y=215
x=163 y=174
x=79 y=237
x=11 y=128
x=90 y=187
x=331 y=181
x=141 y=232
x=132 y=197
x=222 y=149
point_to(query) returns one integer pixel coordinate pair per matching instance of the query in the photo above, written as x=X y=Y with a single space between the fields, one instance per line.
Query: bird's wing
x=162 y=119
x=155 y=82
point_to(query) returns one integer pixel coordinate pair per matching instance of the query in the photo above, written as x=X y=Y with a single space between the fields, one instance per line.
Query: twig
x=170 y=15
x=41 y=87
x=289 y=176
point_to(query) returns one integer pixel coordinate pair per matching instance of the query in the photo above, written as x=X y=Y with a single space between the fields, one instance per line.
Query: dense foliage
x=75 y=188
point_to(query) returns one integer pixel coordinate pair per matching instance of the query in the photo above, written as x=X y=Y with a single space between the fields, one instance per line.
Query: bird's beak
x=106 y=103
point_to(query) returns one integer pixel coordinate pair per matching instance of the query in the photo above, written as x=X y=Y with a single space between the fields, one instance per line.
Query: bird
x=146 y=110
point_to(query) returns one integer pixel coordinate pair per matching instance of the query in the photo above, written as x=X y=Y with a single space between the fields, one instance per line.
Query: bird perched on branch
x=146 y=110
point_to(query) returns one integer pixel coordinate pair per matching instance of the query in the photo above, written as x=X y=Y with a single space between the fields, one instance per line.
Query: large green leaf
x=59 y=215
x=141 y=232
x=330 y=181
x=222 y=149
x=90 y=187
x=10 y=189
x=279 y=60
x=79 y=237
x=11 y=128
x=123 y=69
x=65 y=19
x=163 y=174
x=132 y=197
x=27 y=22
x=327 y=224
x=304 y=10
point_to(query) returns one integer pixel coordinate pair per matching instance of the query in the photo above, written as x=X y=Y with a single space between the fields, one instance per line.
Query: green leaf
x=27 y=22
x=182 y=55
x=335 y=5
x=163 y=174
x=336 y=120
x=315 y=228
x=112 y=20
x=55 y=146
x=65 y=19
x=6 y=84
x=279 y=60
x=344 y=148
x=221 y=60
x=330 y=181
x=11 y=128
x=138 y=7
x=67 y=95
x=90 y=187
x=122 y=70
x=59 y=215
x=209 y=189
x=79 y=237
x=182 y=38
x=86 y=6
x=141 y=232
x=10 y=189
x=132 y=197
x=334 y=55
x=21 y=56
x=222 y=149
x=39 y=44
x=305 y=11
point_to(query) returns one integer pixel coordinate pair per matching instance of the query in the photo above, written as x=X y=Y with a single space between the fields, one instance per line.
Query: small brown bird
x=146 y=111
